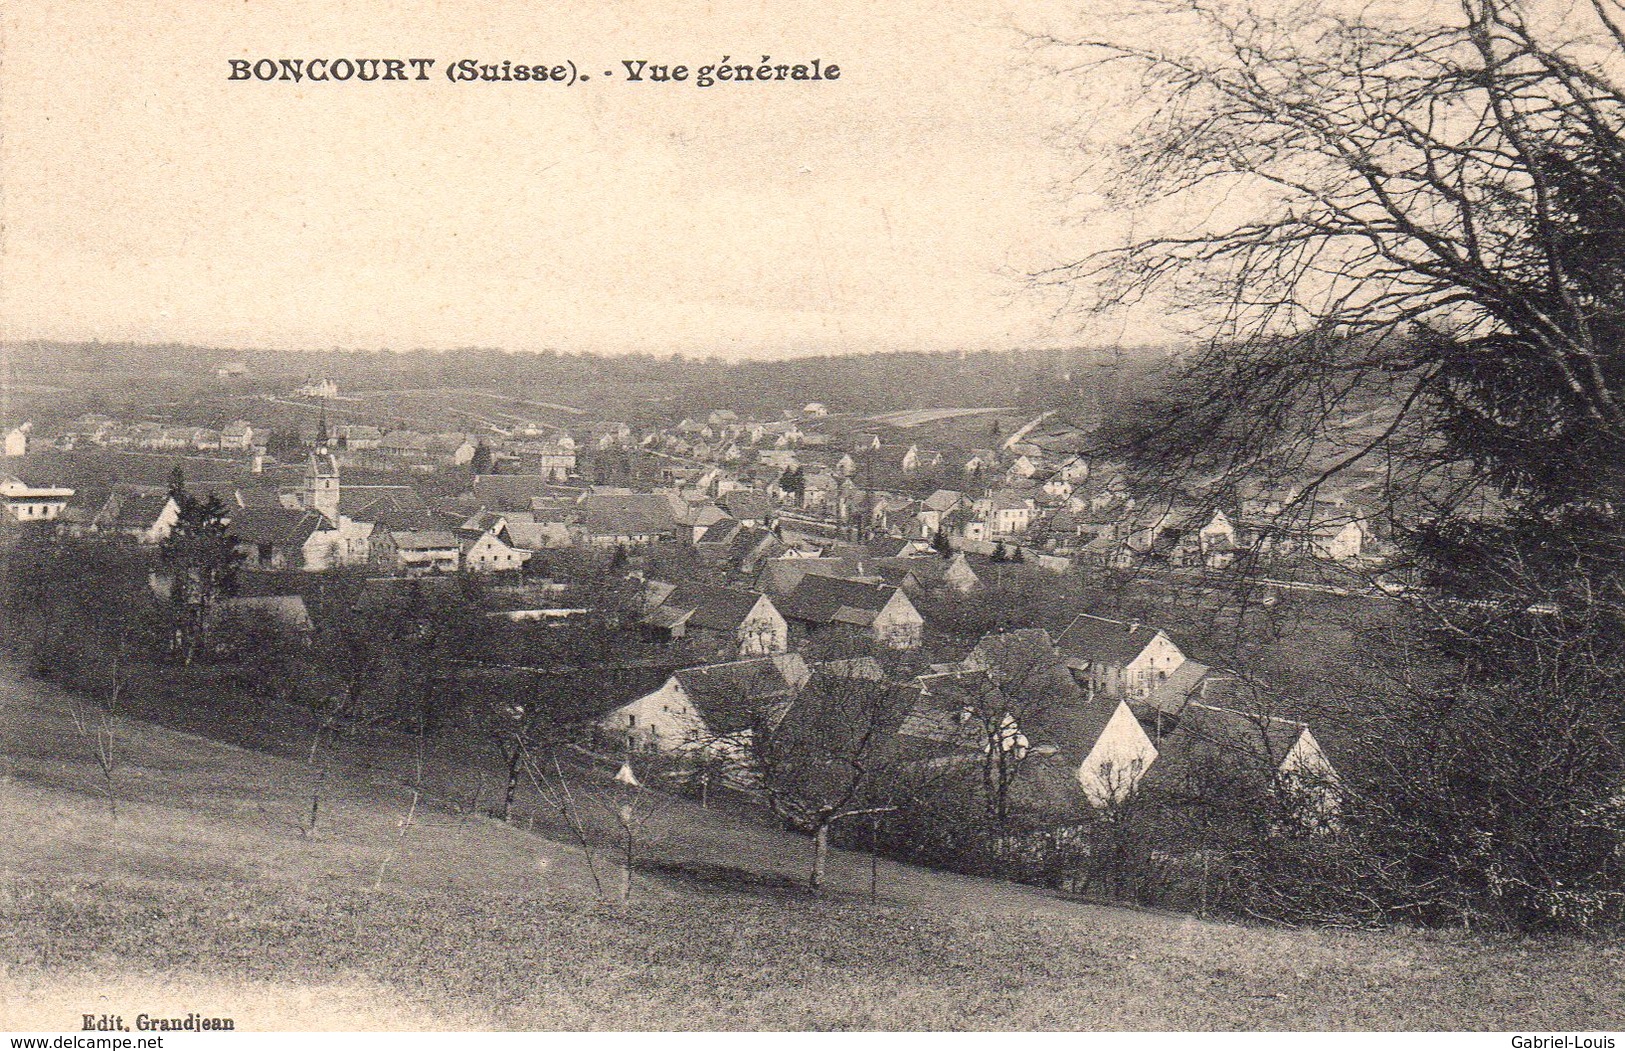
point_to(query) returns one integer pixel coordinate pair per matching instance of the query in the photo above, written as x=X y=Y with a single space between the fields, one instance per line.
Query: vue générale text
x=470 y=70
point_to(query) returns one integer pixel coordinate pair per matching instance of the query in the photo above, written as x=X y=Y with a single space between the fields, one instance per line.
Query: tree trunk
x=626 y=872
x=513 y=784
x=820 y=855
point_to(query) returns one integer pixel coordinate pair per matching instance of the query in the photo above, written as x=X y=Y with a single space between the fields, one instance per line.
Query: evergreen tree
x=481 y=463
x=202 y=558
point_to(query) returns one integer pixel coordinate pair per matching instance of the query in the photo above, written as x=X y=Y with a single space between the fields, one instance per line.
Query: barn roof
x=1192 y=681
x=577 y=696
x=939 y=720
x=277 y=526
x=746 y=504
x=425 y=539
x=1236 y=748
x=826 y=600
x=509 y=491
x=719 y=534
x=717 y=609
x=627 y=514
x=364 y=502
x=729 y=696
x=1094 y=638
x=138 y=510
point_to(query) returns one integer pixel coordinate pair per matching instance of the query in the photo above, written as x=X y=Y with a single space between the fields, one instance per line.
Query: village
x=754 y=563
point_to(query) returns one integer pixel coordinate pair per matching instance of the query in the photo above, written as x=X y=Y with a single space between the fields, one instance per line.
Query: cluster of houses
x=99 y=430
x=743 y=490
x=1036 y=492
x=1094 y=715
x=810 y=542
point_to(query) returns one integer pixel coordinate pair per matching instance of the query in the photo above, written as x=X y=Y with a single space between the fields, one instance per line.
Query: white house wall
x=663 y=721
x=1117 y=761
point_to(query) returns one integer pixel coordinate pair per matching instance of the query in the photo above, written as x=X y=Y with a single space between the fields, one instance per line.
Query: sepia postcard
x=970 y=515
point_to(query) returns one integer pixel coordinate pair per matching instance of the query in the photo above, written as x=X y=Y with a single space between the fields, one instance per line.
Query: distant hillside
x=50 y=379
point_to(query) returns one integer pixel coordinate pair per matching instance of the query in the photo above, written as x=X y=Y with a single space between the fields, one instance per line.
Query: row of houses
x=1101 y=712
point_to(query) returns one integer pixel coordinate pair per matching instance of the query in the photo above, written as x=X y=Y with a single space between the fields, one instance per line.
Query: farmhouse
x=145 y=516
x=882 y=612
x=278 y=538
x=608 y=520
x=1006 y=513
x=487 y=550
x=1117 y=659
x=360 y=437
x=32 y=503
x=421 y=551
x=707 y=708
x=744 y=622
x=1117 y=753
x=1217 y=753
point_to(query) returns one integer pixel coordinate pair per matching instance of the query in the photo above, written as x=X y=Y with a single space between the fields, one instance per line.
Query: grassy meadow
x=205 y=893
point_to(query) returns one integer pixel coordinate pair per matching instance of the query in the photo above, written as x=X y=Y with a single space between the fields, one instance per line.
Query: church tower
x=322 y=484
x=322 y=477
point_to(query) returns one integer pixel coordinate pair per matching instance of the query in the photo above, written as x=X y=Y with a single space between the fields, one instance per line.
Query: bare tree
x=831 y=756
x=1407 y=265
x=1011 y=684
x=95 y=714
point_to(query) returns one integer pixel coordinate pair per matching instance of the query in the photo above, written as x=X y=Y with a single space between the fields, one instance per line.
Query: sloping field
x=917 y=417
x=204 y=895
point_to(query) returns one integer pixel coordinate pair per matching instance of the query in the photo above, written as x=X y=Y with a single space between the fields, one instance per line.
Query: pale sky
x=148 y=198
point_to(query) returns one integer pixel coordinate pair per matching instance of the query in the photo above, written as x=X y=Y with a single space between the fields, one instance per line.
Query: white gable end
x=1120 y=756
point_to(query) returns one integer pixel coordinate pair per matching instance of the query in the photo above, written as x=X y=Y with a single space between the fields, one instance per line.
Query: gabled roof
x=780 y=576
x=719 y=534
x=1023 y=660
x=746 y=504
x=1113 y=642
x=366 y=502
x=729 y=696
x=715 y=609
x=137 y=510
x=509 y=492
x=277 y=526
x=408 y=521
x=424 y=539
x=751 y=541
x=1191 y=681
x=1233 y=749
x=1005 y=500
x=481 y=522
x=627 y=514
x=888 y=547
x=940 y=714
x=579 y=696
x=829 y=600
